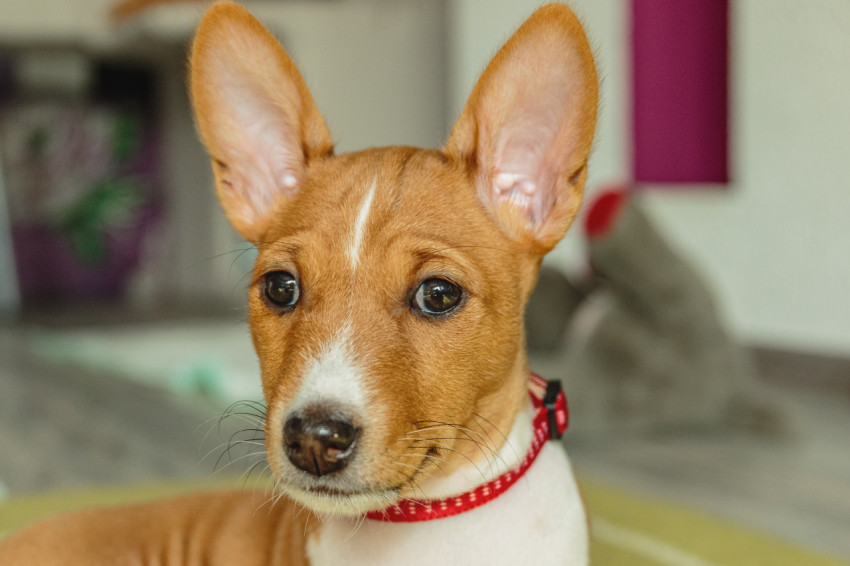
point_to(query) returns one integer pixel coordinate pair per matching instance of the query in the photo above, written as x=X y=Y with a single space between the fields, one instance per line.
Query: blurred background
x=697 y=313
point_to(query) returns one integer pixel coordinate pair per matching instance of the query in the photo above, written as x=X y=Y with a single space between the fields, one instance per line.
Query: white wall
x=776 y=243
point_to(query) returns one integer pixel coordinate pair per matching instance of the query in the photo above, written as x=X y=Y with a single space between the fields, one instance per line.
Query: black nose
x=319 y=444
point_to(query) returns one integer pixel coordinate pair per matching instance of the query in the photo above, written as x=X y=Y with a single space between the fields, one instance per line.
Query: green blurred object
x=126 y=135
x=108 y=205
x=111 y=203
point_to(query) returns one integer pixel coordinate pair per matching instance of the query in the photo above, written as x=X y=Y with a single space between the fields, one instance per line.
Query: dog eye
x=280 y=290
x=437 y=296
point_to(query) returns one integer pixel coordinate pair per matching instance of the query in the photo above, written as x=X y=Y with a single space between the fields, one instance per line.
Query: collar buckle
x=554 y=397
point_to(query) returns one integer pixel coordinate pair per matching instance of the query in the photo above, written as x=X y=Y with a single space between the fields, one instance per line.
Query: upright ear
x=255 y=115
x=526 y=131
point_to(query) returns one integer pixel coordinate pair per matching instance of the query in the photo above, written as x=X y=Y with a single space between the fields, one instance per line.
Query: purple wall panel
x=680 y=82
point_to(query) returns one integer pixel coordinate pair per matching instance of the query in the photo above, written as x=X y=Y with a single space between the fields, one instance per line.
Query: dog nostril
x=319 y=446
x=293 y=433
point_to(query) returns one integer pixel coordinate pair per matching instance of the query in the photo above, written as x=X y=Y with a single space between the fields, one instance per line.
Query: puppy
x=386 y=308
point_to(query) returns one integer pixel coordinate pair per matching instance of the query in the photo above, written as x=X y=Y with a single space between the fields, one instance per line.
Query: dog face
x=386 y=301
x=395 y=308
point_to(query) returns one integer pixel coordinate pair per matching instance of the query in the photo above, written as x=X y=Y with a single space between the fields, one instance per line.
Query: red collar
x=551 y=418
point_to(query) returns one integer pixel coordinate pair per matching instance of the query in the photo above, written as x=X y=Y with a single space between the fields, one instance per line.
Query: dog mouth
x=350 y=502
x=343 y=494
x=332 y=492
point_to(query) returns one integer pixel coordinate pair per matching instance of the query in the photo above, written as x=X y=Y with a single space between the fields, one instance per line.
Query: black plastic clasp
x=550 y=399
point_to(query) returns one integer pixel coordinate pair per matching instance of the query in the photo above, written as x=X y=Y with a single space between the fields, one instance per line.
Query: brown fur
x=220 y=528
x=434 y=213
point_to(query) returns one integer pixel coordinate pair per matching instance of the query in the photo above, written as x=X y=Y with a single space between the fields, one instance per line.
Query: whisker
x=250 y=441
x=460 y=428
x=254 y=414
x=226 y=465
x=482 y=444
x=231 y=443
x=210 y=258
x=263 y=473
x=487 y=442
x=483 y=475
x=359 y=523
x=415 y=468
x=505 y=440
x=247 y=474
x=218 y=420
x=433 y=460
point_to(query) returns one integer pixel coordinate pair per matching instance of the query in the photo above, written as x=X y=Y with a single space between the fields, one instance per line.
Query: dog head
x=389 y=288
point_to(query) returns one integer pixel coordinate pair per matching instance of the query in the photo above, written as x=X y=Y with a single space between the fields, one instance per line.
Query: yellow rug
x=635 y=530
x=628 y=529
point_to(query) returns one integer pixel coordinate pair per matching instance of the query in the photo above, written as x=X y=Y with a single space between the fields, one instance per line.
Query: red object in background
x=603 y=212
x=680 y=91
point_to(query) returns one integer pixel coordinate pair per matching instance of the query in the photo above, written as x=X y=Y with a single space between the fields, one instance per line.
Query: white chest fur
x=539 y=521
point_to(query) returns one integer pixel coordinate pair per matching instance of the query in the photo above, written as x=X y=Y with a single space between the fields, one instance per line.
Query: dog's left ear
x=527 y=129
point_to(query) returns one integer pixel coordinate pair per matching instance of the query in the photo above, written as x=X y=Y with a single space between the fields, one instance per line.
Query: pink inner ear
x=524 y=170
x=261 y=150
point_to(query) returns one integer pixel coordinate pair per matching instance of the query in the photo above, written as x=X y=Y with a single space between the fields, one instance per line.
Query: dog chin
x=339 y=503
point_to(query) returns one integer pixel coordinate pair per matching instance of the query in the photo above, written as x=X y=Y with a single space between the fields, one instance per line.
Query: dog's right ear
x=255 y=116
x=527 y=128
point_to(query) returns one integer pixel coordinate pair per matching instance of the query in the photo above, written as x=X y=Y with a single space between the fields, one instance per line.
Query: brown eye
x=281 y=290
x=437 y=297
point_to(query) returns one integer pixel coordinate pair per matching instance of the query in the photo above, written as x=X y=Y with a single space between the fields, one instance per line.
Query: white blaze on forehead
x=332 y=376
x=360 y=225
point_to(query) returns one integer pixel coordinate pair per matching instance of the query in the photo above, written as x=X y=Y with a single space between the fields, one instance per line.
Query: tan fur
x=433 y=213
x=220 y=528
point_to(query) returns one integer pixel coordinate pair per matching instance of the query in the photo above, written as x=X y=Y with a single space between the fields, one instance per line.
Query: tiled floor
x=63 y=428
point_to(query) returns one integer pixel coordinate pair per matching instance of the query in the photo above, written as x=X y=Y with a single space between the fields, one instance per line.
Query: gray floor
x=796 y=488
x=63 y=428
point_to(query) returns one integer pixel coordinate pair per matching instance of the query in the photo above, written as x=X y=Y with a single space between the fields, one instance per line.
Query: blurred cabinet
x=377 y=69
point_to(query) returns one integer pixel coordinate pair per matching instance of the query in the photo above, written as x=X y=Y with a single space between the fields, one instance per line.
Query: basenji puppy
x=386 y=309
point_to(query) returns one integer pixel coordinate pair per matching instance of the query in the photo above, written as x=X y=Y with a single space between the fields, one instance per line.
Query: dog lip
x=334 y=493
x=323 y=490
x=326 y=500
